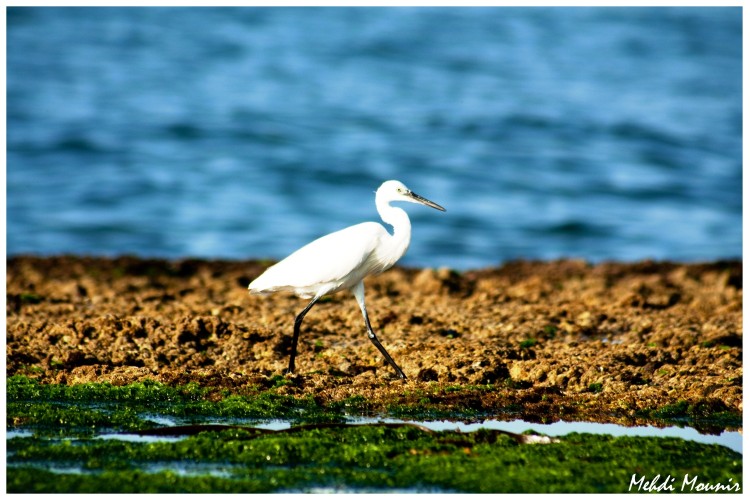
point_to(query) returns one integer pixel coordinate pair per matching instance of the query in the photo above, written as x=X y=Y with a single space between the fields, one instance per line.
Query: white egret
x=341 y=261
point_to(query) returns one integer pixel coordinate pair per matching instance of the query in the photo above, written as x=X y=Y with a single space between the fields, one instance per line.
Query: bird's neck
x=398 y=243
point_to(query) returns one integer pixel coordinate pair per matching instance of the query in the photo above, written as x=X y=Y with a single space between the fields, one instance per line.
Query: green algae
x=21 y=388
x=65 y=452
x=35 y=405
x=596 y=387
x=84 y=408
x=363 y=458
x=709 y=416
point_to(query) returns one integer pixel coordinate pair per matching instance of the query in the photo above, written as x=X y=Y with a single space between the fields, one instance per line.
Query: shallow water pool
x=728 y=438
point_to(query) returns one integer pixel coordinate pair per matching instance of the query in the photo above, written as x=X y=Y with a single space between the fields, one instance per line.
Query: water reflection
x=730 y=439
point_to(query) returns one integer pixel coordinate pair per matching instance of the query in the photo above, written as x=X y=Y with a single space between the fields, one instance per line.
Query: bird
x=343 y=259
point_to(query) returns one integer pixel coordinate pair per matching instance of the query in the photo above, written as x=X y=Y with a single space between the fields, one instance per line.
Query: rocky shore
x=543 y=340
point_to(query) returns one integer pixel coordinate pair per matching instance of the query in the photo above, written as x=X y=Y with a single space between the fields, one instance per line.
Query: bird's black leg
x=295 y=338
x=380 y=347
x=359 y=293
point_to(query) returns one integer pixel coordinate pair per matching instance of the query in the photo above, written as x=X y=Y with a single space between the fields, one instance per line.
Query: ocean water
x=595 y=133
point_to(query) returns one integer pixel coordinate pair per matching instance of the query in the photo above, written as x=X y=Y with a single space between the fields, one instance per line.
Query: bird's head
x=396 y=191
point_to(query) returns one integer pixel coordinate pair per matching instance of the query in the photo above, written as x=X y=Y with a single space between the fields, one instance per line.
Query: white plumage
x=341 y=260
x=304 y=274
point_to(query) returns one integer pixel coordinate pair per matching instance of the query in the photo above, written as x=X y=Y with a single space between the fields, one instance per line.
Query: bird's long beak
x=425 y=201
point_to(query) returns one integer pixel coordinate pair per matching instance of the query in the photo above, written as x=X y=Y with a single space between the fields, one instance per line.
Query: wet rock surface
x=541 y=340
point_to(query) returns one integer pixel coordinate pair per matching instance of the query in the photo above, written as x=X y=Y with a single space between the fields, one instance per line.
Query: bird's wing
x=334 y=259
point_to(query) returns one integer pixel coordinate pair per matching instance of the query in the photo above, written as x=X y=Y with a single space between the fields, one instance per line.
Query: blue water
x=599 y=133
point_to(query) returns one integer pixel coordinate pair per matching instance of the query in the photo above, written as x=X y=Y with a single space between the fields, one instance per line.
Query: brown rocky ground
x=561 y=339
